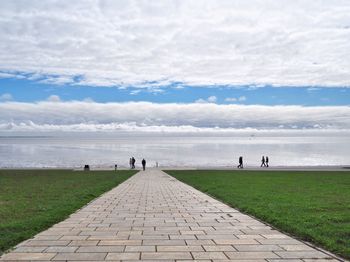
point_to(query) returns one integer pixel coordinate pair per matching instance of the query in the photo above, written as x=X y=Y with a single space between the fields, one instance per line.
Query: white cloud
x=135 y=92
x=155 y=91
x=54 y=98
x=231 y=99
x=7 y=75
x=57 y=80
x=178 y=87
x=6 y=97
x=242 y=98
x=11 y=75
x=210 y=99
x=234 y=99
x=144 y=43
x=88 y=100
x=201 y=101
x=313 y=89
x=92 y=116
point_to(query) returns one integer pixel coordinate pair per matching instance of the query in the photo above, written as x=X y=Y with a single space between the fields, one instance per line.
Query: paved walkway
x=152 y=216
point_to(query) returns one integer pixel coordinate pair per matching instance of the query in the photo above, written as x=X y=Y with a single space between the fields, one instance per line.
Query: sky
x=174 y=65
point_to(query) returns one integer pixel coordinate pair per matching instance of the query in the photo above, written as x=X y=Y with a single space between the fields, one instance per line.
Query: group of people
x=264 y=162
x=132 y=162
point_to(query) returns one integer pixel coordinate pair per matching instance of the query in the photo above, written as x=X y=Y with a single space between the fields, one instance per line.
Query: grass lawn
x=33 y=200
x=314 y=206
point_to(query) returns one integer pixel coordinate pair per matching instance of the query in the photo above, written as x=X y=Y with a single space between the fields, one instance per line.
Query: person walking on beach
x=143 y=164
x=133 y=163
x=267 y=161
x=263 y=163
x=240 y=161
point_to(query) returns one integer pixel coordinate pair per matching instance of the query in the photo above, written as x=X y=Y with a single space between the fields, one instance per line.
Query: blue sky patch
x=25 y=90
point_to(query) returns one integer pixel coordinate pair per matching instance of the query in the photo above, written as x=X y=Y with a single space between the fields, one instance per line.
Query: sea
x=104 y=150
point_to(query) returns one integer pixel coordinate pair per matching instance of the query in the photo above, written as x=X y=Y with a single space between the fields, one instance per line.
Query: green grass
x=33 y=200
x=314 y=206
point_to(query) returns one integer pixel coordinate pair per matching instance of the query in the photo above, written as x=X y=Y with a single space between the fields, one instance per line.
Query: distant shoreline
x=252 y=168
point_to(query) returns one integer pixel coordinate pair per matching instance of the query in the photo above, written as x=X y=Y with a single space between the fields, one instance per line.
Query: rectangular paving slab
x=154 y=217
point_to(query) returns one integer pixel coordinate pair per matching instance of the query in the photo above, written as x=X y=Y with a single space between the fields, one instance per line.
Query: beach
x=293 y=149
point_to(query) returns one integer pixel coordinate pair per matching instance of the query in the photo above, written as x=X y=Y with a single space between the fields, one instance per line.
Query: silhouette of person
x=267 y=161
x=263 y=162
x=133 y=163
x=240 y=161
x=130 y=163
x=143 y=164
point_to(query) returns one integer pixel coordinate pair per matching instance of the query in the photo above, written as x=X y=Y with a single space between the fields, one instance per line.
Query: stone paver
x=154 y=217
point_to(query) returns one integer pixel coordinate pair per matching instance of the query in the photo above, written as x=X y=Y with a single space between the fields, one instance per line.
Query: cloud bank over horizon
x=55 y=115
x=158 y=43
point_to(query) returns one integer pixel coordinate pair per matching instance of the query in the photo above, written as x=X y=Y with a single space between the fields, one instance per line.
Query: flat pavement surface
x=154 y=217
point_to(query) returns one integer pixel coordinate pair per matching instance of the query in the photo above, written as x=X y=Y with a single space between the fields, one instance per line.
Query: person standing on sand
x=240 y=161
x=263 y=162
x=267 y=161
x=143 y=164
